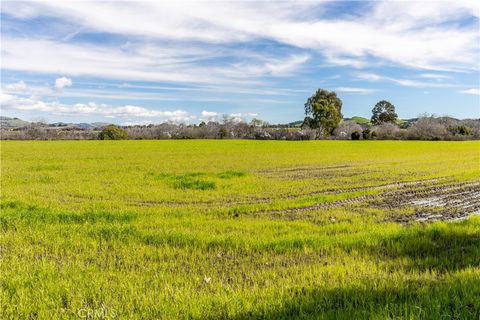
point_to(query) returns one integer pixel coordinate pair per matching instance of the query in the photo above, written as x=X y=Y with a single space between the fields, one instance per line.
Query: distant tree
x=323 y=111
x=383 y=112
x=112 y=132
x=257 y=122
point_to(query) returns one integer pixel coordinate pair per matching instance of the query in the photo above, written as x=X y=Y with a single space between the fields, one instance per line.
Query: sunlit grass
x=198 y=229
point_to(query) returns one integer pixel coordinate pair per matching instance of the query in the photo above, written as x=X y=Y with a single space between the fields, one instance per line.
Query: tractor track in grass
x=324 y=205
x=441 y=201
x=432 y=199
x=377 y=187
x=343 y=202
x=448 y=202
x=251 y=200
x=301 y=169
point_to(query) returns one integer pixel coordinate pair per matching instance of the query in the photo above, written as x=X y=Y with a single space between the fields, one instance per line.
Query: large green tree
x=323 y=111
x=384 y=112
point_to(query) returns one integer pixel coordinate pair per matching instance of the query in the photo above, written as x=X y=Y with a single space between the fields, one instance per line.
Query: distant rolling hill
x=11 y=123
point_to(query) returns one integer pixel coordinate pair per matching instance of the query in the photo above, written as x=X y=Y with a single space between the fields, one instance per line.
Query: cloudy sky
x=148 y=62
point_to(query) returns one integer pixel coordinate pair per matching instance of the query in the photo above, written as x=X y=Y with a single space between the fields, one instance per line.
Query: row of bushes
x=424 y=128
x=430 y=128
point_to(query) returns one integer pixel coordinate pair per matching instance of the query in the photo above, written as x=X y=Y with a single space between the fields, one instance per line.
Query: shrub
x=367 y=134
x=346 y=128
x=428 y=128
x=355 y=135
x=223 y=133
x=386 y=131
x=460 y=130
x=112 y=132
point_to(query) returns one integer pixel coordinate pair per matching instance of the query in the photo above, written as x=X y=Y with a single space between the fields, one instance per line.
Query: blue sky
x=150 y=62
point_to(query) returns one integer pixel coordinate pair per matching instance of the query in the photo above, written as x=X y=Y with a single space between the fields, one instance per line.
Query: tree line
x=323 y=120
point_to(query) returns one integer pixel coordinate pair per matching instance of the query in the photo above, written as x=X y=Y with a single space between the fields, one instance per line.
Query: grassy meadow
x=239 y=229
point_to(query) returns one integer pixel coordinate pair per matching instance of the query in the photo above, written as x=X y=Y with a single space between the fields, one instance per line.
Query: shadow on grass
x=439 y=247
x=449 y=254
x=16 y=213
x=428 y=300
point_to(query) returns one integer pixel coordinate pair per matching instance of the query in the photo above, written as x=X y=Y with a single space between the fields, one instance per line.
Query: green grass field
x=239 y=229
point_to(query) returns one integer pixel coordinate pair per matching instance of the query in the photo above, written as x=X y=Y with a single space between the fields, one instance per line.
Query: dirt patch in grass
x=432 y=200
x=450 y=201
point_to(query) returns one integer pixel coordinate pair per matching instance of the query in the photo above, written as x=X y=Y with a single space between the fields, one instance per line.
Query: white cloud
x=420 y=84
x=354 y=90
x=137 y=123
x=242 y=117
x=209 y=113
x=372 y=77
x=411 y=34
x=283 y=66
x=62 y=82
x=435 y=76
x=475 y=91
x=210 y=116
x=368 y=76
x=19 y=86
x=236 y=116
x=125 y=113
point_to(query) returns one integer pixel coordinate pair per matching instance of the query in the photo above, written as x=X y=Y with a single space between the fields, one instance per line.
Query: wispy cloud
x=373 y=77
x=435 y=76
x=48 y=56
x=475 y=91
x=355 y=90
x=156 y=93
x=406 y=33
